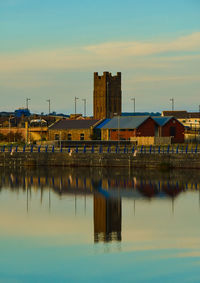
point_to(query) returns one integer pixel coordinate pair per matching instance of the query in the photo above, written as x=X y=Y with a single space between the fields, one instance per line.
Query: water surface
x=99 y=225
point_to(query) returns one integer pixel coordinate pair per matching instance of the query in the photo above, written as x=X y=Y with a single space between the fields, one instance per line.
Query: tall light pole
x=133 y=99
x=84 y=100
x=107 y=99
x=75 y=99
x=172 y=101
x=27 y=100
x=49 y=101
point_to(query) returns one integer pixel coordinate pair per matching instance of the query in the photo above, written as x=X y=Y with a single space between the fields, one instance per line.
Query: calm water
x=98 y=225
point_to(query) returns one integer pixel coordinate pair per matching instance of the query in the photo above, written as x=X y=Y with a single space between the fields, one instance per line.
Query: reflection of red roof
x=172 y=190
x=147 y=190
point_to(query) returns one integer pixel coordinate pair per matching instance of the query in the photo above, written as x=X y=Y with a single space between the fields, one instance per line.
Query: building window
x=82 y=137
x=57 y=137
x=69 y=137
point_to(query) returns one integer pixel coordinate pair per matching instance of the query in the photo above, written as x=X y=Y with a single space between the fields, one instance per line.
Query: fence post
x=92 y=150
x=53 y=148
x=100 y=149
x=159 y=149
x=24 y=148
x=39 y=148
x=177 y=149
x=141 y=149
x=61 y=149
x=186 y=149
x=133 y=149
x=84 y=149
x=32 y=148
x=196 y=149
x=69 y=149
x=168 y=149
x=16 y=148
x=150 y=149
x=46 y=148
x=77 y=149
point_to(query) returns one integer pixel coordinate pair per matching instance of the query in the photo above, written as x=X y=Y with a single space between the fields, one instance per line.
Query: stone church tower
x=107 y=96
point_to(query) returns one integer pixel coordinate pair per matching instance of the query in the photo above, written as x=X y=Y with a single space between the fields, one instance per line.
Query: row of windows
x=69 y=137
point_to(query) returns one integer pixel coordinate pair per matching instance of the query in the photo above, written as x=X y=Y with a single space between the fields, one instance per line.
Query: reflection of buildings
x=107 y=219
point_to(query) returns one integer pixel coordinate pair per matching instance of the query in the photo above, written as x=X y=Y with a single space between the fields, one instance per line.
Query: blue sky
x=50 y=49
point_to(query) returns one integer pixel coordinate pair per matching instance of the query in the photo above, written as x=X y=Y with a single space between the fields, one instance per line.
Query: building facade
x=72 y=130
x=107 y=95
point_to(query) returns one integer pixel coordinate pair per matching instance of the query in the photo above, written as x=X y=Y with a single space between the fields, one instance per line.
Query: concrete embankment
x=141 y=160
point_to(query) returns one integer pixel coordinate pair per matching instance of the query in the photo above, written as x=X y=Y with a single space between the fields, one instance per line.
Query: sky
x=50 y=49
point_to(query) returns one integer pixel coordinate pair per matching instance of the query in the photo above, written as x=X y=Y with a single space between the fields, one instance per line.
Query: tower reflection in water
x=107 y=219
x=107 y=188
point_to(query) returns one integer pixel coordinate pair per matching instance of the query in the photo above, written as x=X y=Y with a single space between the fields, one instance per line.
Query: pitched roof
x=161 y=121
x=141 y=114
x=177 y=114
x=73 y=124
x=104 y=122
x=124 y=122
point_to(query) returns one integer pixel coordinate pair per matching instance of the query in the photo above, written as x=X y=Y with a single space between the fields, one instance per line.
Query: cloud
x=111 y=54
x=186 y=43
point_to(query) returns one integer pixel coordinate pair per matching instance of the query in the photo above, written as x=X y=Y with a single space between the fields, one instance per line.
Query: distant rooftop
x=141 y=114
x=73 y=124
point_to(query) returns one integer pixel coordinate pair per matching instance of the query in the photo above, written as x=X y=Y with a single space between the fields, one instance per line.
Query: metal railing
x=100 y=149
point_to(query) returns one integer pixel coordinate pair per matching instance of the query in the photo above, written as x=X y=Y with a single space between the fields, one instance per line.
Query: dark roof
x=124 y=122
x=161 y=121
x=140 y=114
x=177 y=114
x=193 y=114
x=73 y=124
x=104 y=122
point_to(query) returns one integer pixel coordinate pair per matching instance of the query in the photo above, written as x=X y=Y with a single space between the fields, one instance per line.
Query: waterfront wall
x=129 y=160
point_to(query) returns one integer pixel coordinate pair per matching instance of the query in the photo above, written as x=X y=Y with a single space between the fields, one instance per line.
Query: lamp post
x=75 y=99
x=9 y=129
x=118 y=127
x=49 y=102
x=133 y=99
x=27 y=100
x=172 y=101
x=84 y=100
x=107 y=99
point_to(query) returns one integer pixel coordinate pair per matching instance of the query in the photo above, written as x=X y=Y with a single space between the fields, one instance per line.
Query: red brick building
x=126 y=127
x=170 y=127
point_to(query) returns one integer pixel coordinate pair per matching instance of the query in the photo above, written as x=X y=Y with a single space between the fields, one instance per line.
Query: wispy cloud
x=101 y=55
x=186 y=43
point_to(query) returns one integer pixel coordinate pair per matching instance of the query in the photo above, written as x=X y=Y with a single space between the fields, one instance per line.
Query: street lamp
x=118 y=127
x=172 y=101
x=107 y=99
x=49 y=101
x=133 y=99
x=75 y=99
x=27 y=100
x=84 y=100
